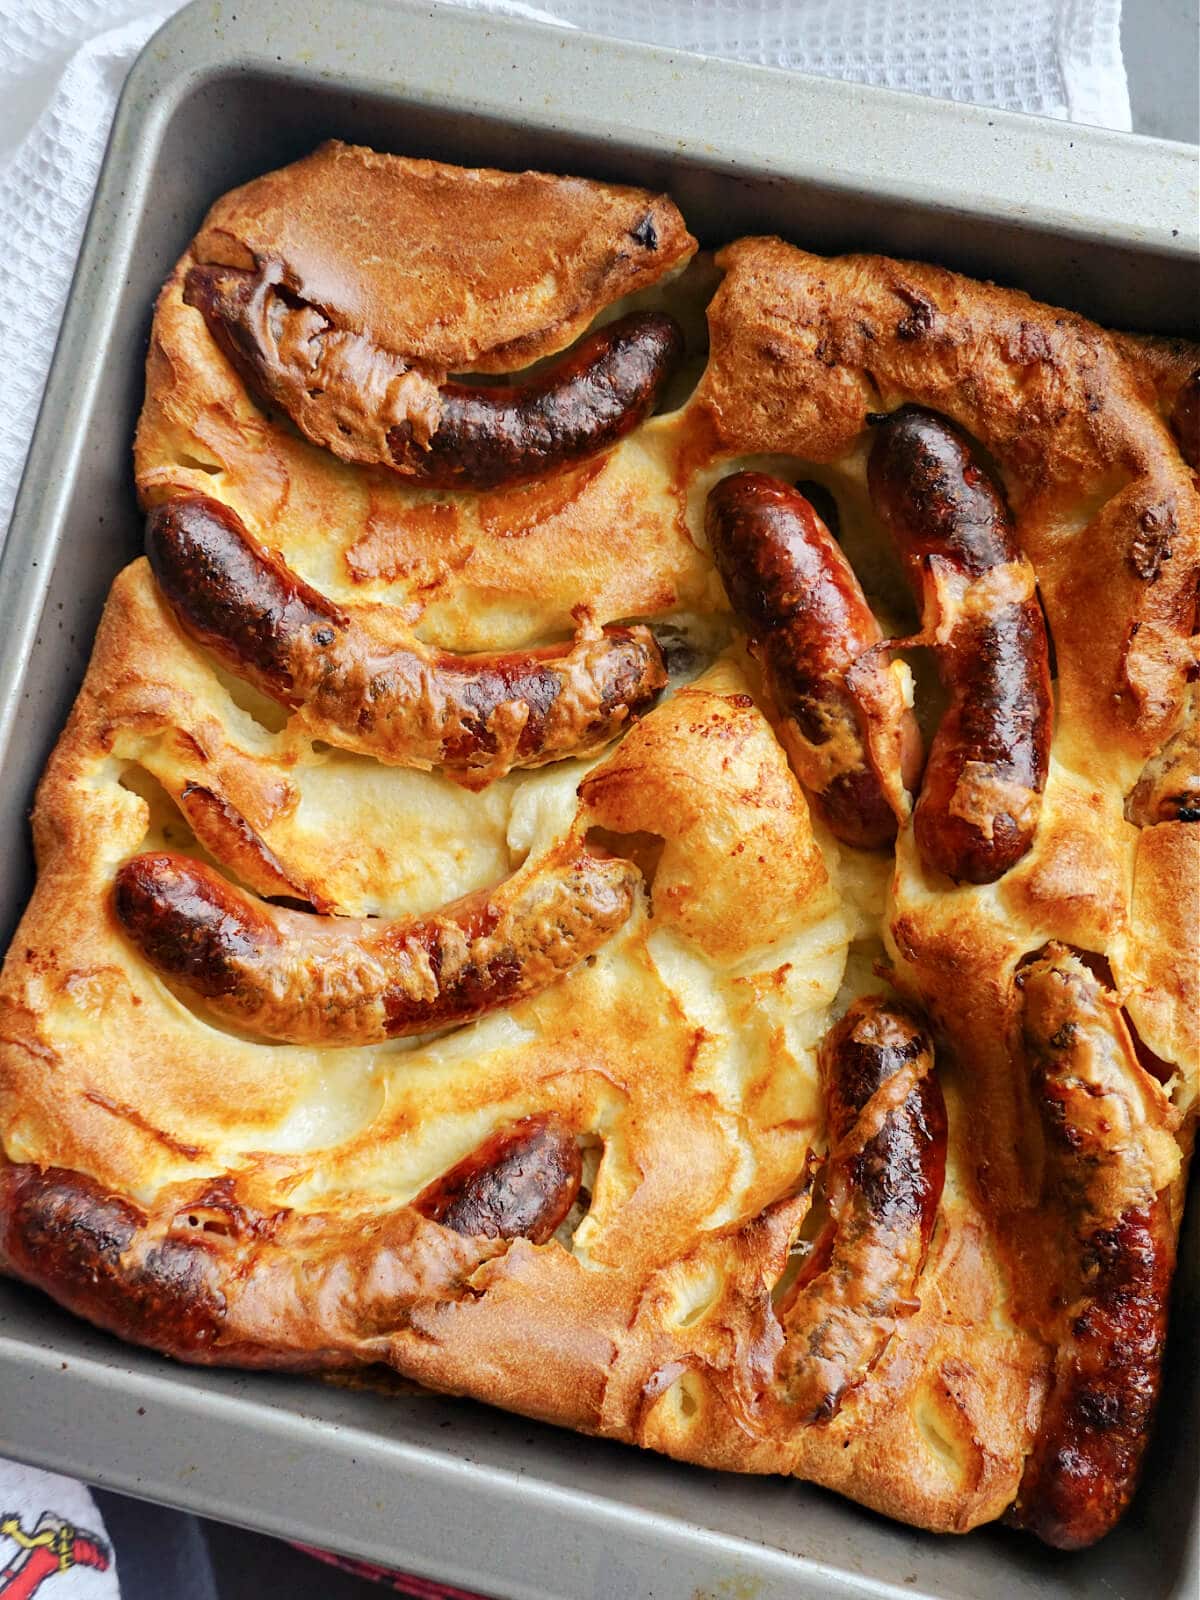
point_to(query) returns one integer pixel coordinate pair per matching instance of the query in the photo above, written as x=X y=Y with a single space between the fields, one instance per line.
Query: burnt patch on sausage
x=189 y=922
x=900 y=1170
x=935 y=495
x=233 y=596
x=1084 y=1468
x=520 y=1183
x=989 y=759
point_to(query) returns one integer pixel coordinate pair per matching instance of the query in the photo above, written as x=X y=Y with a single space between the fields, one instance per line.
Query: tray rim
x=208 y=40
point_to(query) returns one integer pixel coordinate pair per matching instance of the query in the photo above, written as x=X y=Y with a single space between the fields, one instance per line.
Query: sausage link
x=365 y=684
x=368 y=405
x=208 y=1278
x=1084 y=1465
x=1185 y=420
x=87 y=1247
x=852 y=740
x=507 y=433
x=289 y=975
x=520 y=1183
x=882 y=1183
x=982 y=792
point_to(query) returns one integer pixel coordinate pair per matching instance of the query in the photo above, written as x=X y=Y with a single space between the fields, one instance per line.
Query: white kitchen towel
x=62 y=63
x=52 y=1539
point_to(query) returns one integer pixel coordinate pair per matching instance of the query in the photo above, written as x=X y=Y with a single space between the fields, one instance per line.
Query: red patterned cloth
x=401 y=1582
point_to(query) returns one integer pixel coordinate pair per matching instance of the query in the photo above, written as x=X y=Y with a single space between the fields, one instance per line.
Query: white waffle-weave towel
x=62 y=63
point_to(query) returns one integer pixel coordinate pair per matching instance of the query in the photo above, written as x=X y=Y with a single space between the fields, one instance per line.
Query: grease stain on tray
x=734 y=1588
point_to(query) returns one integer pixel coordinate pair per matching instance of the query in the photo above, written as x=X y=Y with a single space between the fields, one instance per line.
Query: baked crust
x=228 y=1199
x=464 y=271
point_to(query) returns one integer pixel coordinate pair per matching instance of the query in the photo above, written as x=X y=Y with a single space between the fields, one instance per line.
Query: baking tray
x=228 y=89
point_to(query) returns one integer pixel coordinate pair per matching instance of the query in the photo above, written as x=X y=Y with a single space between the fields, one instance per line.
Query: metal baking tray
x=228 y=89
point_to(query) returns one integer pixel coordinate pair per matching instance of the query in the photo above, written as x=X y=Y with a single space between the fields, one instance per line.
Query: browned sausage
x=882 y=1183
x=71 y=1236
x=982 y=791
x=369 y=405
x=853 y=742
x=1084 y=1465
x=520 y=1183
x=367 y=685
x=288 y=975
x=1185 y=420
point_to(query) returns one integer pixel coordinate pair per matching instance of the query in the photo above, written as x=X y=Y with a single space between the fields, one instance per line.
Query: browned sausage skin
x=372 y=406
x=1084 y=1465
x=289 y=975
x=520 y=1183
x=882 y=1183
x=852 y=740
x=367 y=685
x=982 y=791
x=506 y=433
x=70 y=1236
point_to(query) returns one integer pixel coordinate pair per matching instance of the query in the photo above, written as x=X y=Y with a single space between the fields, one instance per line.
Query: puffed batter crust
x=226 y=1199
